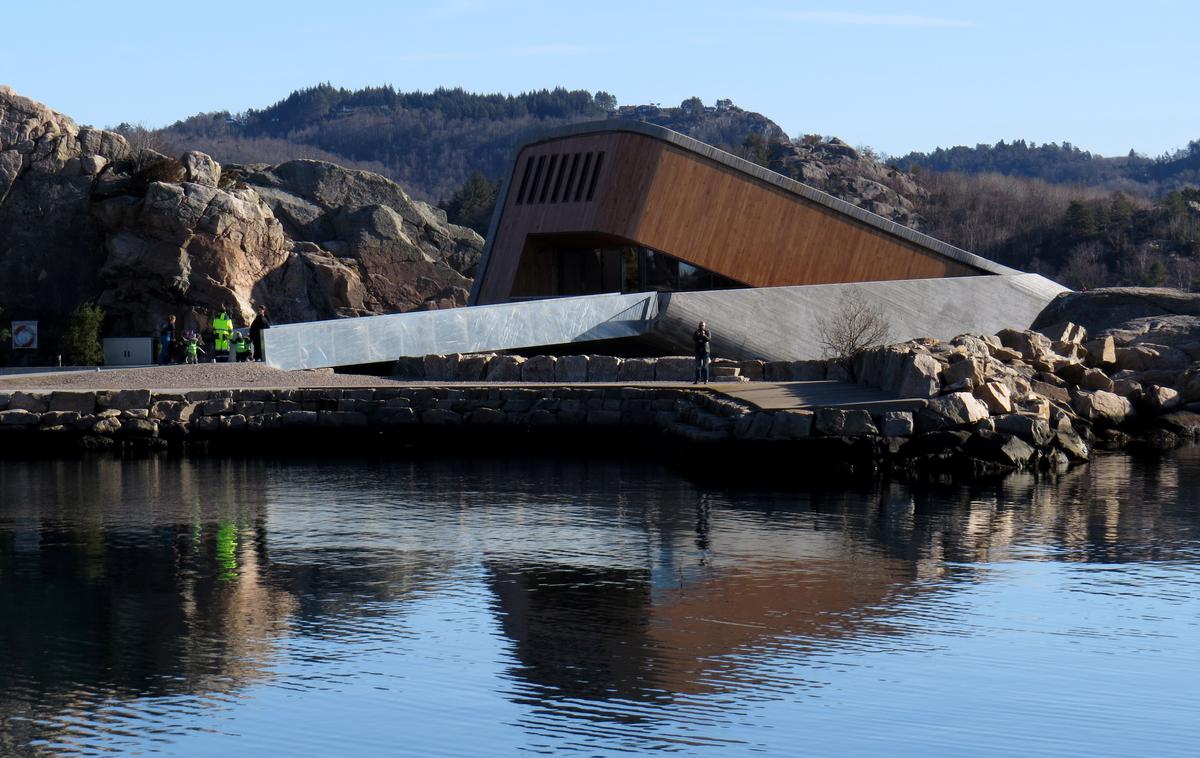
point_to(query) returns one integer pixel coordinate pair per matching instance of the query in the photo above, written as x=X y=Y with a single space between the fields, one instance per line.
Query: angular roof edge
x=765 y=175
x=770 y=177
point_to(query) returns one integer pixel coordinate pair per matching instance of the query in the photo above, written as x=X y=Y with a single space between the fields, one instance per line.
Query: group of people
x=246 y=345
x=227 y=342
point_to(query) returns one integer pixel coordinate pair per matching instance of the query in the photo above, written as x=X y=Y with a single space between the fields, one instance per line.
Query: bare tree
x=140 y=138
x=856 y=325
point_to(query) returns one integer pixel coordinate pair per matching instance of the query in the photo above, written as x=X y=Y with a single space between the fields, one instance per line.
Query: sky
x=897 y=76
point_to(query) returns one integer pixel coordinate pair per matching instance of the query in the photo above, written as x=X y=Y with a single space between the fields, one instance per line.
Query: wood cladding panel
x=716 y=218
x=663 y=197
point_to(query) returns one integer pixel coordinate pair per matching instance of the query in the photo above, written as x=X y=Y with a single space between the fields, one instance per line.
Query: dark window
x=537 y=176
x=525 y=179
x=659 y=272
x=549 y=179
x=566 y=195
x=583 y=177
x=558 y=180
x=595 y=176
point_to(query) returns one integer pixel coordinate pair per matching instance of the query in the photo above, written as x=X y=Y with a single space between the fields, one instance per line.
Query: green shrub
x=81 y=341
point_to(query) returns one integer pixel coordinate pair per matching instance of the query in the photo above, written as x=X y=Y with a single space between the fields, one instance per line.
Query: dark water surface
x=228 y=607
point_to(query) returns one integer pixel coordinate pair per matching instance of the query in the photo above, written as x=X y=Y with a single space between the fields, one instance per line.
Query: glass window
x=662 y=271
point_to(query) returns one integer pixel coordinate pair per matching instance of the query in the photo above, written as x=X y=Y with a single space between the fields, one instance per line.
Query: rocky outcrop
x=837 y=168
x=405 y=251
x=1112 y=308
x=51 y=248
x=86 y=217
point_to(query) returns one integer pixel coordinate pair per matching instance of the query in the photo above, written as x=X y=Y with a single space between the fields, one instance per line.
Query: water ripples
x=494 y=607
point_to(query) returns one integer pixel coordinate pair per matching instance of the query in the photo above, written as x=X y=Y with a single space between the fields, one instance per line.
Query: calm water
x=425 y=608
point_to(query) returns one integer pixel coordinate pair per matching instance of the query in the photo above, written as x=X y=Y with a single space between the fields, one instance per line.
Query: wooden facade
x=618 y=183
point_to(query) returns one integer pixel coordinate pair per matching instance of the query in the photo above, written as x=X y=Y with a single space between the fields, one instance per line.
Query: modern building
x=624 y=206
x=625 y=230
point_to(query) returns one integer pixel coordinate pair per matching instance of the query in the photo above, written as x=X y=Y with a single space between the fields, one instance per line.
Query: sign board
x=24 y=335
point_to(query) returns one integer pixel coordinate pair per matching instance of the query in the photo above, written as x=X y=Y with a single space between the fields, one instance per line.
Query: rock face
x=51 y=248
x=404 y=251
x=1111 y=308
x=86 y=217
x=837 y=168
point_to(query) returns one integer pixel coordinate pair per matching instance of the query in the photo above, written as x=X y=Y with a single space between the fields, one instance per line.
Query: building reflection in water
x=805 y=570
x=611 y=581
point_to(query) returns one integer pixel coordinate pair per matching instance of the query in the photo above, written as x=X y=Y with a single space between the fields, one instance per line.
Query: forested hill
x=1067 y=164
x=430 y=142
x=453 y=147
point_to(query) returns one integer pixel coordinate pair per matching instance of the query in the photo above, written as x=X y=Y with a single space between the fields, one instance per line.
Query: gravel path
x=198 y=377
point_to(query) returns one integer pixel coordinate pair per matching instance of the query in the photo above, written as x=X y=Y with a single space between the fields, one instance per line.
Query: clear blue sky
x=899 y=76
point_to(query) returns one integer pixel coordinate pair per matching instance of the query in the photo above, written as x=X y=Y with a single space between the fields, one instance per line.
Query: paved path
x=765 y=395
x=773 y=396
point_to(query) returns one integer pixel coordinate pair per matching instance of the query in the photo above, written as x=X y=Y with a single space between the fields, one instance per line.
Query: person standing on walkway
x=702 y=337
x=256 y=330
x=222 y=328
x=166 y=340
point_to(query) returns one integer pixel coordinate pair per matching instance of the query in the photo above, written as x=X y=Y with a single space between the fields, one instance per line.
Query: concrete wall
x=780 y=323
x=769 y=323
x=479 y=329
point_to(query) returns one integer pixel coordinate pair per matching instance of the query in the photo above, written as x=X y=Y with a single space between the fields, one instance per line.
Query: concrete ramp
x=477 y=329
x=777 y=396
x=780 y=323
x=771 y=323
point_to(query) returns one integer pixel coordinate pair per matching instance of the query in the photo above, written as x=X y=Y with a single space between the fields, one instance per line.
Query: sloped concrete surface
x=774 y=396
x=781 y=323
x=770 y=323
x=485 y=328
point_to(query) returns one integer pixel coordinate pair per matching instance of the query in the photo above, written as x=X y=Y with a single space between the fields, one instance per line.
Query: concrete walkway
x=774 y=396
x=764 y=395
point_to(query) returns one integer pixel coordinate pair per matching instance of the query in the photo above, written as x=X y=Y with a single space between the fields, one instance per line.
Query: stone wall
x=104 y=418
x=952 y=430
x=576 y=369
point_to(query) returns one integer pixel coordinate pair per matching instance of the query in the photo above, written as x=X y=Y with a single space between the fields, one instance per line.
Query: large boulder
x=1101 y=352
x=996 y=396
x=201 y=169
x=1160 y=399
x=1106 y=407
x=998 y=447
x=897 y=424
x=920 y=376
x=1030 y=344
x=957 y=409
x=1032 y=429
x=1099 y=310
x=1175 y=330
x=967 y=369
x=1146 y=357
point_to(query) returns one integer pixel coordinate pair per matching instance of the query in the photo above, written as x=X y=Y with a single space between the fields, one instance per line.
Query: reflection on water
x=196 y=607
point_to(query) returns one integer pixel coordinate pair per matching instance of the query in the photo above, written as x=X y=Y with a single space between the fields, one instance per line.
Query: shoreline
x=700 y=424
